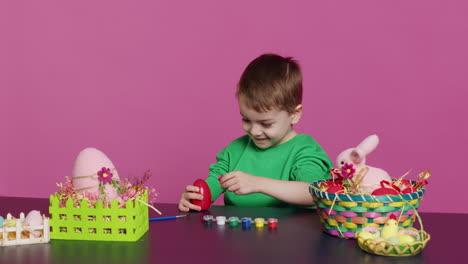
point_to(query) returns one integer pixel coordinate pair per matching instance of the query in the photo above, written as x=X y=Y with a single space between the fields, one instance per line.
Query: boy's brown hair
x=271 y=81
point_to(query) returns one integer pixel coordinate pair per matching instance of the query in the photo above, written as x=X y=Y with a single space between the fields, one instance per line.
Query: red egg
x=335 y=189
x=406 y=187
x=384 y=191
x=332 y=186
x=205 y=191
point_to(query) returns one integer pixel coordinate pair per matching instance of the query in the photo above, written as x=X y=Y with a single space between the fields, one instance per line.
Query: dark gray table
x=298 y=239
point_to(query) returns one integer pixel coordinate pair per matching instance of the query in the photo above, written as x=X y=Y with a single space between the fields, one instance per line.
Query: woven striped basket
x=343 y=215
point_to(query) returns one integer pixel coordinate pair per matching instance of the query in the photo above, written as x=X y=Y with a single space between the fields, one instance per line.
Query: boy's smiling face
x=270 y=128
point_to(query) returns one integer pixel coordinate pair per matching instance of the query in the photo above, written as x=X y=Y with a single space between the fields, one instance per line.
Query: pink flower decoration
x=131 y=192
x=105 y=175
x=347 y=171
x=124 y=197
x=128 y=194
x=91 y=196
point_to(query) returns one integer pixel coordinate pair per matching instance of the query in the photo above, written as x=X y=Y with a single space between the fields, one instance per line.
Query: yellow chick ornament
x=390 y=229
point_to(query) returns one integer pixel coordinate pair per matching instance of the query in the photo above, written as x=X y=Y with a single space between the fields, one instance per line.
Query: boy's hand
x=190 y=194
x=240 y=182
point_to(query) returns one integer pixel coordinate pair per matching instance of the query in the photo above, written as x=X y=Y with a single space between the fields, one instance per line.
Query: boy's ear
x=297 y=114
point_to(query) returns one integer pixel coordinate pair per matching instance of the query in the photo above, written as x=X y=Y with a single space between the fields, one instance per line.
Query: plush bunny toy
x=357 y=157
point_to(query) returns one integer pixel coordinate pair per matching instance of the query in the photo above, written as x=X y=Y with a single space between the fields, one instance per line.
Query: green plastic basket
x=98 y=223
x=343 y=215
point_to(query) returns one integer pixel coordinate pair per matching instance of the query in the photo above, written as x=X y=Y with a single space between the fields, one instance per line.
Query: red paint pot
x=272 y=222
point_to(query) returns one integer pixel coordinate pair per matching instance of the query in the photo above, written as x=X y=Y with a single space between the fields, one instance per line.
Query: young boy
x=272 y=165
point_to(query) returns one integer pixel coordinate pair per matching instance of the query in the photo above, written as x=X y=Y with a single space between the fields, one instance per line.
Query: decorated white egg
x=33 y=218
x=92 y=167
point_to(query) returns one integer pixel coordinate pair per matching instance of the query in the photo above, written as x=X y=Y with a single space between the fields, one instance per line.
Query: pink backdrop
x=151 y=84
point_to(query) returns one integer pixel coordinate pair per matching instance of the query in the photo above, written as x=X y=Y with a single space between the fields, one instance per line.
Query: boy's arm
x=221 y=167
x=292 y=192
x=311 y=163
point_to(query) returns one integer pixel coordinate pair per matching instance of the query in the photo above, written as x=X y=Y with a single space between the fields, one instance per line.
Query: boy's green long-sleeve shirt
x=299 y=159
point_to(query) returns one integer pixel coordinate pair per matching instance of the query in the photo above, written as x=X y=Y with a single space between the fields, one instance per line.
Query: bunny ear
x=368 y=145
x=356 y=156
